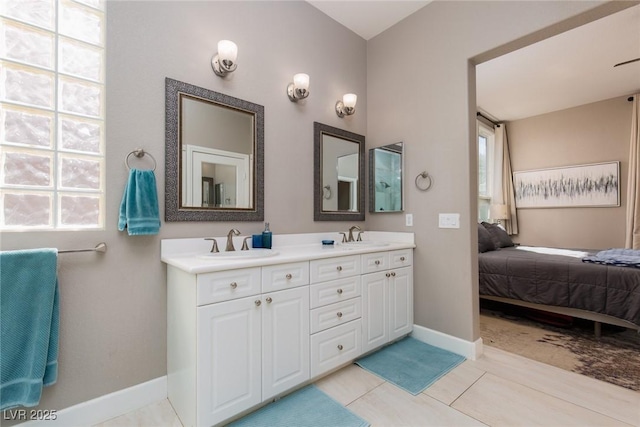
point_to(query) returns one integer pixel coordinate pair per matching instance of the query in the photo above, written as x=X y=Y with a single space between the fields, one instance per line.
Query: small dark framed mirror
x=338 y=174
x=386 y=190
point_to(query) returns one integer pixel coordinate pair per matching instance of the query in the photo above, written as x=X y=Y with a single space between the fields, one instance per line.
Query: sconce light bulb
x=347 y=106
x=299 y=89
x=224 y=61
x=227 y=50
x=349 y=100
x=301 y=81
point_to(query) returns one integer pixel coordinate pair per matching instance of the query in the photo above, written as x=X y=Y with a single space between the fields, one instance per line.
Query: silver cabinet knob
x=339 y=291
x=339 y=314
x=233 y=285
x=258 y=302
x=339 y=268
x=377 y=262
x=269 y=300
x=288 y=276
x=388 y=274
x=340 y=347
x=393 y=273
x=402 y=258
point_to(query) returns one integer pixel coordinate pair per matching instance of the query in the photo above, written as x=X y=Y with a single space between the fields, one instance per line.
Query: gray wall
x=421 y=90
x=592 y=133
x=414 y=84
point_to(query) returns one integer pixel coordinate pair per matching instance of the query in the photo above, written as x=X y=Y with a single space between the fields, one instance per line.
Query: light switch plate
x=409 y=220
x=449 y=220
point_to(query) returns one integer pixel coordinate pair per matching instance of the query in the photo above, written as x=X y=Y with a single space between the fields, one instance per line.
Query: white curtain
x=633 y=189
x=504 y=192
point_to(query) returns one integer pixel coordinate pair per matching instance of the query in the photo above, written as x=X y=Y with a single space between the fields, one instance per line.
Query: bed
x=557 y=281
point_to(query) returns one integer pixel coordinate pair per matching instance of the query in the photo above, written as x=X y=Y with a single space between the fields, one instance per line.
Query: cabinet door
x=228 y=359
x=400 y=302
x=375 y=309
x=285 y=345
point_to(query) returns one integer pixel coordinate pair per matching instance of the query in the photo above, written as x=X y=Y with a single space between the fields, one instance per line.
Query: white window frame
x=488 y=133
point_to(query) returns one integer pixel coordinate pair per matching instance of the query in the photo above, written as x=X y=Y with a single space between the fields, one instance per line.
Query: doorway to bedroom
x=539 y=137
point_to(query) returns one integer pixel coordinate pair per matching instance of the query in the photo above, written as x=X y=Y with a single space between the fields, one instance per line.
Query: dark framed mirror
x=214 y=155
x=386 y=168
x=338 y=185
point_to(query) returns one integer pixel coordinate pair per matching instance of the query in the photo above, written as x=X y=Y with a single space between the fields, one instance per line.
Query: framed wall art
x=596 y=184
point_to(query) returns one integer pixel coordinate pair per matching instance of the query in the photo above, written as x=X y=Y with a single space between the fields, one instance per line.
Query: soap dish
x=328 y=242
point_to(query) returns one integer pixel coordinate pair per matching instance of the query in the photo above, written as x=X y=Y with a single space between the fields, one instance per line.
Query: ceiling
x=368 y=18
x=573 y=68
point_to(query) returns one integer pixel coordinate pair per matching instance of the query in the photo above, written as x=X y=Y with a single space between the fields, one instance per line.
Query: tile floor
x=498 y=389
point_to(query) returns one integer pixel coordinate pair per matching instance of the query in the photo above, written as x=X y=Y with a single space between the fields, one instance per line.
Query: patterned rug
x=567 y=343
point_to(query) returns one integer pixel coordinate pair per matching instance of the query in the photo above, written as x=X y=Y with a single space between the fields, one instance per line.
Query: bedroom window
x=52 y=98
x=485 y=170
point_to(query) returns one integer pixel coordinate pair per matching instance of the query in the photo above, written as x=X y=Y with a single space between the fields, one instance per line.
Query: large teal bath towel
x=139 y=212
x=29 y=320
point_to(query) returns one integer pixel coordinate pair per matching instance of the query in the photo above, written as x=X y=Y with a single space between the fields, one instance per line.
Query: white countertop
x=190 y=255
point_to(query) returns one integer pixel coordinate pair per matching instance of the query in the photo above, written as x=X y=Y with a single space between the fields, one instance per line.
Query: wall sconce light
x=299 y=89
x=224 y=62
x=347 y=106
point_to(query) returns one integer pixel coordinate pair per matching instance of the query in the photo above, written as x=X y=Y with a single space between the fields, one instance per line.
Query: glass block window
x=52 y=109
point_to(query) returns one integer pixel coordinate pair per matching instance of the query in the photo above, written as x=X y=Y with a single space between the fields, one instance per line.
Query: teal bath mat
x=308 y=407
x=410 y=364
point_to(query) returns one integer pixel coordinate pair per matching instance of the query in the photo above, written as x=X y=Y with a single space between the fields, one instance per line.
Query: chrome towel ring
x=423 y=181
x=139 y=153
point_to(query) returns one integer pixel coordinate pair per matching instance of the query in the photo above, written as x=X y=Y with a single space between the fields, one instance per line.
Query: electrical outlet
x=409 y=220
x=449 y=220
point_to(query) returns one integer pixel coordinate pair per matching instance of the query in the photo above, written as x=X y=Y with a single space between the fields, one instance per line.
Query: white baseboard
x=468 y=349
x=106 y=407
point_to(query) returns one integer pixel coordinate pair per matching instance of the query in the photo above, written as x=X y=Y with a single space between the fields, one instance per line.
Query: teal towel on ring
x=29 y=323
x=139 y=212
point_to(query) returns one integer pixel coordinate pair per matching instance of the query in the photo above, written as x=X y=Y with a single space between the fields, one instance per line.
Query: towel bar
x=100 y=247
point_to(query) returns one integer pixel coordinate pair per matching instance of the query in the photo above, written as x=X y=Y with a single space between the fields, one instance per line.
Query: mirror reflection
x=214 y=156
x=385 y=178
x=339 y=169
x=217 y=155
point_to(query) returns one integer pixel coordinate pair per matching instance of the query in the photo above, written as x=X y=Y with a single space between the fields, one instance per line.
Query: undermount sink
x=363 y=244
x=234 y=255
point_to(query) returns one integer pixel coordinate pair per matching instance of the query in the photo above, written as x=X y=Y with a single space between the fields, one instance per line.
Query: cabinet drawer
x=377 y=261
x=401 y=258
x=323 y=270
x=334 y=347
x=227 y=285
x=335 y=291
x=284 y=276
x=335 y=314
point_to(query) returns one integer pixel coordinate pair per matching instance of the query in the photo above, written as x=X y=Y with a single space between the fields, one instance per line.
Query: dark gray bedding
x=558 y=277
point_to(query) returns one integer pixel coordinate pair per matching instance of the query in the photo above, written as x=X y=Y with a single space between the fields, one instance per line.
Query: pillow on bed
x=499 y=236
x=485 y=242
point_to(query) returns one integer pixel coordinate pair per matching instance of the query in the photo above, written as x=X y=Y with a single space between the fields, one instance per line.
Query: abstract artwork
x=572 y=186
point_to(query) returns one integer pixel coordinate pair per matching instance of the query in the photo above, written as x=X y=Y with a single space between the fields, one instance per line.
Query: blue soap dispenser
x=266 y=236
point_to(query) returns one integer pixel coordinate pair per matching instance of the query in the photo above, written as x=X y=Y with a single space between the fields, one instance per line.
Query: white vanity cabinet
x=228 y=356
x=243 y=331
x=336 y=311
x=387 y=297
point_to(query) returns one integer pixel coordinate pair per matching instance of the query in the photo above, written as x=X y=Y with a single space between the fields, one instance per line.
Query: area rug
x=614 y=357
x=307 y=407
x=410 y=364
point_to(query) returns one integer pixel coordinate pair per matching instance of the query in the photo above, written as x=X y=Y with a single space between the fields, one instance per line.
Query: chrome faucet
x=232 y=232
x=350 y=238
